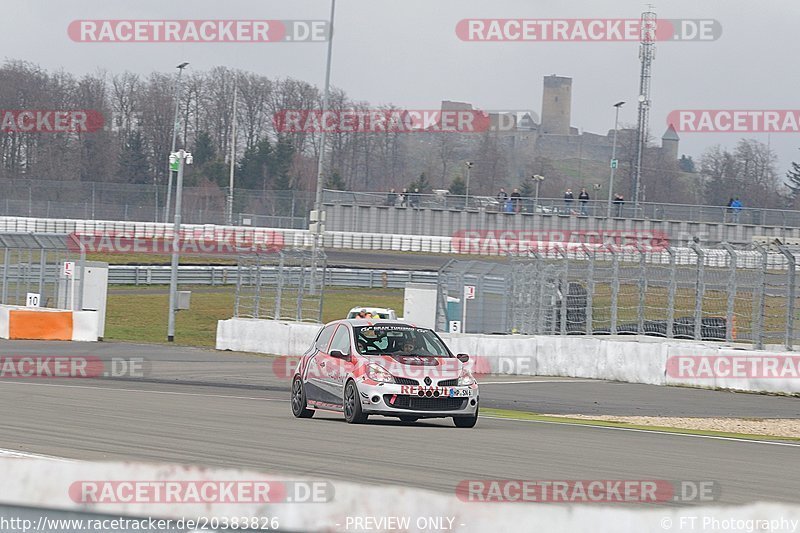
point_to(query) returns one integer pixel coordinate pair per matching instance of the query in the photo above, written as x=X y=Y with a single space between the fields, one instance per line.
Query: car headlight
x=377 y=373
x=466 y=379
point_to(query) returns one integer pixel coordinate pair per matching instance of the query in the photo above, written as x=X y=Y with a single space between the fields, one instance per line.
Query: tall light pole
x=181 y=157
x=174 y=135
x=468 y=165
x=317 y=218
x=614 y=162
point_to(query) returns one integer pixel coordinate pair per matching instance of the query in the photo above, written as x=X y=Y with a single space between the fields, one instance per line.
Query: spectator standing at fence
x=568 y=199
x=502 y=196
x=404 y=198
x=516 y=199
x=414 y=198
x=391 y=198
x=583 y=196
x=736 y=207
x=619 y=201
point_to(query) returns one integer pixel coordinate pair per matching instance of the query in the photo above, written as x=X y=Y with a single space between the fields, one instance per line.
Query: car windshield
x=405 y=340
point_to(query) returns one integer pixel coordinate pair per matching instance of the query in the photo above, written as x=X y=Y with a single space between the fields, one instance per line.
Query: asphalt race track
x=230 y=410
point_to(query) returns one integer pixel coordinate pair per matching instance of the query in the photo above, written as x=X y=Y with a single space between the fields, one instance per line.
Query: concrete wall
x=628 y=359
x=41 y=323
x=26 y=490
x=445 y=222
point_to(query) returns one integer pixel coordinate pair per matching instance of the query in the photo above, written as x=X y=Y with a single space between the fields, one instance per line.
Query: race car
x=385 y=367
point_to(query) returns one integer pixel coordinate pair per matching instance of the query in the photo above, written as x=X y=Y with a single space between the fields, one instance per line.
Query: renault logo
x=427 y=380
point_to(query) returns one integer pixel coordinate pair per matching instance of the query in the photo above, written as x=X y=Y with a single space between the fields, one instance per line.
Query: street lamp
x=317 y=217
x=614 y=162
x=174 y=135
x=538 y=179
x=468 y=165
x=179 y=159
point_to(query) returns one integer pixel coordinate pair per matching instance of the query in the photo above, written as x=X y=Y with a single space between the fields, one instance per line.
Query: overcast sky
x=406 y=52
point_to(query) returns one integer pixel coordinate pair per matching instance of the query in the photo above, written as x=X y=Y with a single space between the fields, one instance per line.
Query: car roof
x=372 y=322
x=370 y=309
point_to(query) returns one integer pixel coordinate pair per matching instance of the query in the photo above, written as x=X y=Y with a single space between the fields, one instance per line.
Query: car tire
x=353 y=414
x=409 y=419
x=299 y=405
x=466 y=421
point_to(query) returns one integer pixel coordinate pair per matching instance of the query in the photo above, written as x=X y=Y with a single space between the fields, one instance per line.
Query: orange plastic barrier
x=40 y=325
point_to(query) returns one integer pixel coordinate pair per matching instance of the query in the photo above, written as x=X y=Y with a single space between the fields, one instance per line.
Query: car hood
x=420 y=366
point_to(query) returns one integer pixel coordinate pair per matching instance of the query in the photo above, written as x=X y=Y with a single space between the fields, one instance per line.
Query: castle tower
x=669 y=144
x=556 y=105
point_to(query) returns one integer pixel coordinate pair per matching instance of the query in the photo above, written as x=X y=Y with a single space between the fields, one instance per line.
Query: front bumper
x=421 y=401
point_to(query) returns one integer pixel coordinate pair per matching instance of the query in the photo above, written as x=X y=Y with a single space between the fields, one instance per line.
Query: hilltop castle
x=555 y=138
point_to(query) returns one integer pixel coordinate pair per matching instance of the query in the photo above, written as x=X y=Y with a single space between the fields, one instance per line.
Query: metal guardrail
x=227 y=275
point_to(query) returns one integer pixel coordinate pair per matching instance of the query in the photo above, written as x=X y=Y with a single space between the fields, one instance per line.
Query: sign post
x=469 y=294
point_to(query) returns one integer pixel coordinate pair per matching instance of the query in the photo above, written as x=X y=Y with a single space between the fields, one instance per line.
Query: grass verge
x=142 y=316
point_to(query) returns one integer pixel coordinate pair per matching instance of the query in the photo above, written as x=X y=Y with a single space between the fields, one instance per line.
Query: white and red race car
x=387 y=368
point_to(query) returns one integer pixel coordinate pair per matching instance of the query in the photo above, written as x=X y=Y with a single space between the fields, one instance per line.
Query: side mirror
x=338 y=354
x=462 y=357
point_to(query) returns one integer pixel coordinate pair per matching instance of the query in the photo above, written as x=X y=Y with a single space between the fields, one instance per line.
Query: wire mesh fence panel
x=288 y=285
x=34 y=264
x=747 y=294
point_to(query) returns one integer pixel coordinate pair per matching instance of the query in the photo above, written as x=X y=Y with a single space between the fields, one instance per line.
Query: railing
x=227 y=275
x=561 y=207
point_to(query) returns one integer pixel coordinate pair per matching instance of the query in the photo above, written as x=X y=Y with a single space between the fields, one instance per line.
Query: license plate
x=459 y=393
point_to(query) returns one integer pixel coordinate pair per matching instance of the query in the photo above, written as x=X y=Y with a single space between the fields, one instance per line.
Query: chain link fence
x=280 y=286
x=33 y=264
x=746 y=294
x=146 y=203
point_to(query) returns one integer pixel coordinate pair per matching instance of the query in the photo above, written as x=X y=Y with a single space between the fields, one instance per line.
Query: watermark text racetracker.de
x=494 y=242
x=586 y=30
x=200 y=242
x=67 y=366
x=733 y=366
x=735 y=120
x=50 y=120
x=587 y=491
x=399 y=120
x=198 y=31
x=200 y=491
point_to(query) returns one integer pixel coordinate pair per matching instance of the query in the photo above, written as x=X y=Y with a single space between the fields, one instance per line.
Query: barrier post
x=730 y=313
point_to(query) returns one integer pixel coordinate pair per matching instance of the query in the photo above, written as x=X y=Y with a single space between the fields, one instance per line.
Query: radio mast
x=647 y=54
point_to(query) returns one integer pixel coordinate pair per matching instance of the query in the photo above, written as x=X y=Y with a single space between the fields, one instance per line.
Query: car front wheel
x=352 y=405
x=466 y=421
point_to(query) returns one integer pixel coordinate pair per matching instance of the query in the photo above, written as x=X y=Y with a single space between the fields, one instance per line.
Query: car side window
x=324 y=337
x=341 y=340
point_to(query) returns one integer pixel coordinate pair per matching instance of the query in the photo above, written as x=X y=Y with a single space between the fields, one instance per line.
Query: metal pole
x=173 y=278
x=229 y=217
x=174 y=137
x=317 y=237
x=466 y=190
x=613 y=158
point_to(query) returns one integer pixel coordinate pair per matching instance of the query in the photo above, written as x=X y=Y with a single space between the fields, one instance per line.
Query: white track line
x=16 y=454
x=659 y=432
x=541 y=381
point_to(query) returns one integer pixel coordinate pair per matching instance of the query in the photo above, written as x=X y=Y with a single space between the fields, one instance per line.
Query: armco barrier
x=39 y=323
x=346 y=240
x=50 y=495
x=632 y=359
